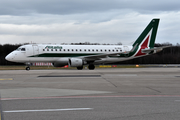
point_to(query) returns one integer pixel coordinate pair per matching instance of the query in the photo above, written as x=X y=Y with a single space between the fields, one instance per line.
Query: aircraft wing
x=99 y=56
x=105 y=55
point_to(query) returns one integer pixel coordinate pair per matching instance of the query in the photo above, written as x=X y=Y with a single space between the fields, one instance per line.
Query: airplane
x=79 y=55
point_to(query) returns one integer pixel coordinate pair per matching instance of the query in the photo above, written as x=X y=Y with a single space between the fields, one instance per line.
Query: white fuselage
x=54 y=52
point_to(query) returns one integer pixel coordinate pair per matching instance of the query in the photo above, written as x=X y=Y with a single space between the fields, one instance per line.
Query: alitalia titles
x=53 y=47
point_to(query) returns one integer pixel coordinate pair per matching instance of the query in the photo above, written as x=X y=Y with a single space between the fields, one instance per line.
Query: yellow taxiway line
x=6 y=79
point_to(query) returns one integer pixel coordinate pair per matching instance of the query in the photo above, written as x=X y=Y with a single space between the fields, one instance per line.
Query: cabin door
x=29 y=50
x=35 y=50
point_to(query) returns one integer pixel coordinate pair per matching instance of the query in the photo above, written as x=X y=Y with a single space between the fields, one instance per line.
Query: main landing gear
x=80 y=68
x=90 y=67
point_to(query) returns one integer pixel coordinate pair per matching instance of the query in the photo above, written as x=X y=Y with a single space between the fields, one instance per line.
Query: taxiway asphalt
x=100 y=94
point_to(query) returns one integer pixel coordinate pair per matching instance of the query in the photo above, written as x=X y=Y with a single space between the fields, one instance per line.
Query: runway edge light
x=137 y=65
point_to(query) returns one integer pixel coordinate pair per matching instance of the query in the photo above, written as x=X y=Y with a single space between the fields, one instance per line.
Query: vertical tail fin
x=148 y=36
x=146 y=39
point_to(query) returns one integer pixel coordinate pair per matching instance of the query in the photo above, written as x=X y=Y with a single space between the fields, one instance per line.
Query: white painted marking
x=80 y=97
x=120 y=74
x=47 y=110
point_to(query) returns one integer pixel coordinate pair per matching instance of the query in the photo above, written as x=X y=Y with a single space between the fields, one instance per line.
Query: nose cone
x=9 y=57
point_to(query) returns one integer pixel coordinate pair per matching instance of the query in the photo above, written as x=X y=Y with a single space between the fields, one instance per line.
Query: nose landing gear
x=28 y=68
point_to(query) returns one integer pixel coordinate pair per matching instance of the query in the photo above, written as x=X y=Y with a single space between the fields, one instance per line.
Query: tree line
x=5 y=50
x=170 y=55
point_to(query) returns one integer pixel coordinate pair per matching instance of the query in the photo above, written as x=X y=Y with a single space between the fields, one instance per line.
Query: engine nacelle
x=75 y=62
x=60 y=63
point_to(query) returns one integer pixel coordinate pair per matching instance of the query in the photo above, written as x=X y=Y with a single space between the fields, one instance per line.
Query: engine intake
x=75 y=62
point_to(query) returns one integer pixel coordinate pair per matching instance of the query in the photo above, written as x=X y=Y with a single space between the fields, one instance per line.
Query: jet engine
x=75 y=62
x=60 y=63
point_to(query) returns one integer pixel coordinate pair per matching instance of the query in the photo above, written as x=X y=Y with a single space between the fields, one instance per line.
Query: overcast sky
x=95 y=21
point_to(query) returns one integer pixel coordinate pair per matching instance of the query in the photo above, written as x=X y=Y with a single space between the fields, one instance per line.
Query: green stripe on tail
x=153 y=25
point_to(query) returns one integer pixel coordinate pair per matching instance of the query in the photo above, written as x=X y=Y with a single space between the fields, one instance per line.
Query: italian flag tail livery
x=146 y=40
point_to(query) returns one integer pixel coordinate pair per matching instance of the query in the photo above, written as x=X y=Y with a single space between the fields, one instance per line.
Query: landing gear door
x=35 y=50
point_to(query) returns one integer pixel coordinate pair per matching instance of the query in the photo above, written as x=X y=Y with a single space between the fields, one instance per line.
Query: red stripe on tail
x=143 y=46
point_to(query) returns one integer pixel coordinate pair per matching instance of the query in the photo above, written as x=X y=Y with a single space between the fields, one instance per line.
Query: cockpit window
x=21 y=49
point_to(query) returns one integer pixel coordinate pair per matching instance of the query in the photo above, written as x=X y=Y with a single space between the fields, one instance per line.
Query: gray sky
x=96 y=21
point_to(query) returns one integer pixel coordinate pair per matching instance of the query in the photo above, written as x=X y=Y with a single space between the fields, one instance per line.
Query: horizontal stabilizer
x=156 y=49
